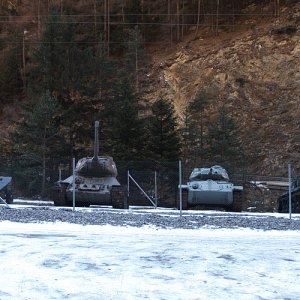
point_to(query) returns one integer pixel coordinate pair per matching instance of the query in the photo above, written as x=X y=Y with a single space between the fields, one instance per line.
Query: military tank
x=5 y=190
x=95 y=182
x=283 y=199
x=211 y=187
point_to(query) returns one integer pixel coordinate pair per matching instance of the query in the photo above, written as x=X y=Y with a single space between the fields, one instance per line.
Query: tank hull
x=210 y=193
x=89 y=191
x=283 y=202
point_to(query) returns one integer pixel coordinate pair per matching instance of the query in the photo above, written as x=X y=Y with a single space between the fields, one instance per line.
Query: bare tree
x=217 y=16
x=108 y=27
x=95 y=17
x=198 y=17
x=177 y=19
x=277 y=7
x=39 y=17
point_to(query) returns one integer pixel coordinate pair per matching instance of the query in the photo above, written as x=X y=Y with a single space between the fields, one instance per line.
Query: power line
x=128 y=23
x=144 y=15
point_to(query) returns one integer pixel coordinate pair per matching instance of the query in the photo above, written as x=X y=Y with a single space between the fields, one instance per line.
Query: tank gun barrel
x=96 y=142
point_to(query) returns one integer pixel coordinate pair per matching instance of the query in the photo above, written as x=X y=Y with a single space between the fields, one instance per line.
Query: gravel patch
x=156 y=218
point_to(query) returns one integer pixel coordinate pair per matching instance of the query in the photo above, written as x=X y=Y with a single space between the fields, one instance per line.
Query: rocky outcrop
x=255 y=72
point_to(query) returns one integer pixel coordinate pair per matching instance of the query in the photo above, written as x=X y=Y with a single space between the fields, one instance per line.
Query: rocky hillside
x=252 y=67
x=255 y=71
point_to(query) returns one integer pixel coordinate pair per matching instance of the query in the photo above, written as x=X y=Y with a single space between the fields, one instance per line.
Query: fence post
x=180 y=188
x=155 y=188
x=128 y=183
x=290 y=189
x=73 y=184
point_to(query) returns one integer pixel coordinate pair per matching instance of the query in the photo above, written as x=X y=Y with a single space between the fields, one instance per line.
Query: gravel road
x=158 y=218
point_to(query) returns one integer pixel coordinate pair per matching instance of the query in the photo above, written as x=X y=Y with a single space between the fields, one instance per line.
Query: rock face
x=255 y=72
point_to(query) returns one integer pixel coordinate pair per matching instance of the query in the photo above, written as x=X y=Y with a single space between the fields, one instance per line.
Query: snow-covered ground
x=69 y=261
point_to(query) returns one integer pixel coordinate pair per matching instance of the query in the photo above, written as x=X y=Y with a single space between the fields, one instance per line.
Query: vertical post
x=155 y=188
x=59 y=174
x=290 y=189
x=128 y=183
x=73 y=184
x=180 y=188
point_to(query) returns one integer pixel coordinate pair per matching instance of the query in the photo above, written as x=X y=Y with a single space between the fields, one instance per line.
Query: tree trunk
x=198 y=17
x=217 y=16
x=104 y=21
x=182 y=20
x=177 y=21
x=95 y=18
x=108 y=28
x=277 y=6
x=61 y=7
x=142 y=8
x=136 y=69
x=39 y=17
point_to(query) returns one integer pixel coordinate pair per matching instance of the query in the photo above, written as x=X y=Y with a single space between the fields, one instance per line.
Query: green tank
x=95 y=182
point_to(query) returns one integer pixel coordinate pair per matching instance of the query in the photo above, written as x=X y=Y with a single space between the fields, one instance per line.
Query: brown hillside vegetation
x=249 y=63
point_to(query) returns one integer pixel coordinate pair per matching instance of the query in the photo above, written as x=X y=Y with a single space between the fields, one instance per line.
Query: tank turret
x=96 y=166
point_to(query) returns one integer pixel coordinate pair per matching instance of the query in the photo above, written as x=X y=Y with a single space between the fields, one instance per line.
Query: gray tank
x=95 y=182
x=211 y=187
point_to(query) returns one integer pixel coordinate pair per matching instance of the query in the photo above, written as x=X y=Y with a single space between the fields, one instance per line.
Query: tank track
x=59 y=196
x=119 y=197
x=9 y=197
x=283 y=202
x=237 y=204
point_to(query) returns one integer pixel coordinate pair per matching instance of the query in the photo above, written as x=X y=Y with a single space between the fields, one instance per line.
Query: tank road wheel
x=59 y=196
x=237 y=204
x=119 y=197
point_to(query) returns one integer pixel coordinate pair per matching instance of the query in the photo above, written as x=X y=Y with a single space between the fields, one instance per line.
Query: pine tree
x=36 y=141
x=60 y=65
x=10 y=77
x=75 y=74
x=163 y=140
x=197 y=109
x=133 y=11
x=125 y=124
x=190 y=140
x=224 y=144
x=135 y=58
